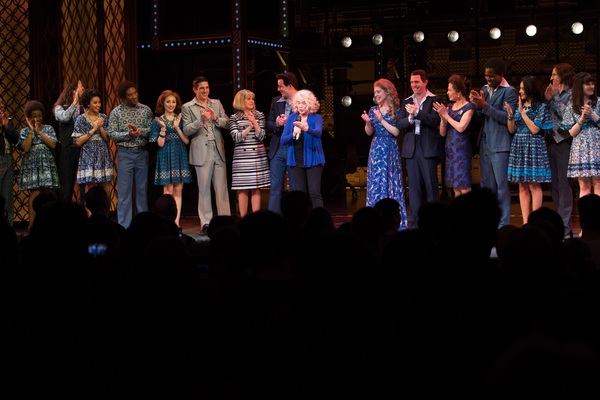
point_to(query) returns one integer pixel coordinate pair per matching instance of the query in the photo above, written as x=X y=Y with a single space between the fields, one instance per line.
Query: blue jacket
x=494 y=118
x=313 y=149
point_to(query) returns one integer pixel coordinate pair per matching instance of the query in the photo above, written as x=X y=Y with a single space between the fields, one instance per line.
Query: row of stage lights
x=495 y=32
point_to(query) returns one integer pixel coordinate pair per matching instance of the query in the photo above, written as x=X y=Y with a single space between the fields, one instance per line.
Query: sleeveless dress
x=384 y=172
x=528 y=158
x=458 y=150
x=250 y=165
x=172 y=160
x=584 y=160
x=38 y=167
x=95 y=161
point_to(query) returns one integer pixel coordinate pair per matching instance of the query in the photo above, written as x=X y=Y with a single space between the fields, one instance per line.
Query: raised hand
x=177 y=120
x=162 y=124
x=365 y=117
x=411 y=108
x=440 y=109
x=134 y=130
x=378 y=114
x=586 y=110
x=302 y=125
x=520 y=106
x=212 y=114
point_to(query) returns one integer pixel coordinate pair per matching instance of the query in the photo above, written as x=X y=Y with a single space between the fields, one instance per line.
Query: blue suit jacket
x=431 y=141
x=277 y=108
x=493 y=118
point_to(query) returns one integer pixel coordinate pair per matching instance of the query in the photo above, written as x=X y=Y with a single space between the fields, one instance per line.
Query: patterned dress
x=584 y=160
x=172 y=161
x=38 y=167
x=384 y=173
x=250 y=169
x=458 y=151
x=95 y=161
x=528 y=158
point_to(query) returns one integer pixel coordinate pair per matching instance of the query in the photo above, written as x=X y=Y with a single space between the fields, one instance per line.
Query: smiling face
x=589 y=89
x=37 y=116
x=417 y=85
x=492 y=78
x=380 y=95
x=249 y=103
x=131 y=97
x=170 y=104
x=202 y=91
x=522 y=93
x=452 y=93
x=555 y=76
x=286 y=91
x=95 y=105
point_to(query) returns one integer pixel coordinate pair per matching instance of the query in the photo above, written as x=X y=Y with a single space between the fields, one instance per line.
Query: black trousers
x=69 y=161
x=308 y=180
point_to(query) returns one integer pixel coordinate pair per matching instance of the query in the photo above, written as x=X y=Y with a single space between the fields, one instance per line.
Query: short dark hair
x=87 y=97
x=33 y=105
x=460 y=84
x=566 y=72
x=123 y=87
x=421 y=73
x=533 y=88
x=199 y=80
x=160 y=103
x=289 y=78
x=497 y=64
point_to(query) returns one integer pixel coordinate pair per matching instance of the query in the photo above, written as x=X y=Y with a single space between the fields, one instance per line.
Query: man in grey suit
x=203 y=119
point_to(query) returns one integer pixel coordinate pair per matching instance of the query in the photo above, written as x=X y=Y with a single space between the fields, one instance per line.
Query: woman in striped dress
x=250 y=170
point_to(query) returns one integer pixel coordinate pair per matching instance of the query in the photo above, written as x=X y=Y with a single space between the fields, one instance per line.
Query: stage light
x=531 y=30
x=347 y=42
x=346 y=101
x=453 y=36
x=418 y=36
x=495 y=33
x=577 y=28
x=377 y=39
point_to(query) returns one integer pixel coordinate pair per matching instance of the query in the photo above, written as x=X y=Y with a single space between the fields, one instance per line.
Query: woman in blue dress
x=90 y=132
x=172 y=168
x=528 y=159
x=38 y=167
x=384 y=172
x=582 y=119
x=454 y=125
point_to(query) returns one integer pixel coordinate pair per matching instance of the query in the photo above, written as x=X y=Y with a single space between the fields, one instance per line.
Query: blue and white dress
x=384 y=172
x=172 y=160
x=38 y=167
x=528 y=159
x=95 y=161
x=584 y=160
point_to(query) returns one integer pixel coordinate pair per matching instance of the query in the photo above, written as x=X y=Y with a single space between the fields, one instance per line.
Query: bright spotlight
x=418 y=36
x=377 y=39
x=346 y=101
x=453 y=36
x=495 y=33
x=577 y=28
x=347 y=42
x=531 y=30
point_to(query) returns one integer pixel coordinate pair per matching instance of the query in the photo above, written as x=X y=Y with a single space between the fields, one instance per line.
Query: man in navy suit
x=281 y=107
x=494 y=137
x=422 y=143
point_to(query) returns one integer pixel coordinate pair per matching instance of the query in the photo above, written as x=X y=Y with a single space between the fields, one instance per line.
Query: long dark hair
x=533 y=88
x=66 y=97
x=579 y=82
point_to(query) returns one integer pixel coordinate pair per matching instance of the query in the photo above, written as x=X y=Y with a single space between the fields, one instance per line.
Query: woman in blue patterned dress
x=458 y=115
x=528 y=159
x=384 y=172
x=90 y=132
x=582 y=119
x=38 y=167
x=250 y=166
x=172 y=168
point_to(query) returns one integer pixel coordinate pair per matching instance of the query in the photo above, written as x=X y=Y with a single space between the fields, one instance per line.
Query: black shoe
x=204 y=230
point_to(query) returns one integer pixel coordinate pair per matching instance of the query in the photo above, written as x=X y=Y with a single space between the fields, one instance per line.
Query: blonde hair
x=240 y=98
x=392 y=95
x=312 y=104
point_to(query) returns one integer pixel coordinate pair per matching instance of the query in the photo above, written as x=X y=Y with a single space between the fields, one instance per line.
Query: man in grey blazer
x=203 y=119
x=494 y=137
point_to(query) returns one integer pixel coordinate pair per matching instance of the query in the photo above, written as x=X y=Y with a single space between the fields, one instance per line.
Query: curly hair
x=392 y=95
x=88 y=95
x=240 y=97
x=123 y=87
x=497 y=64
x=66 y=96
x=160 y=103
x=312 y=104
x=33 y=105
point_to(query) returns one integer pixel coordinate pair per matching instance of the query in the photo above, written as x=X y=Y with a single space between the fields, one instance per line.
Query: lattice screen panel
x=79 y=43
x=15 y=84
x=326 y=109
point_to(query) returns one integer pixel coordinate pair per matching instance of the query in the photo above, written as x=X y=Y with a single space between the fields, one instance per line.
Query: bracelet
x=580 y=124
x=443 y=125
x=161 y=135
x=89 y=134
x=511 y=118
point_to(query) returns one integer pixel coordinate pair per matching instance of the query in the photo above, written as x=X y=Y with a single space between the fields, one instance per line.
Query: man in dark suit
x=422 y=143
x=281 y=107
x=494 y=137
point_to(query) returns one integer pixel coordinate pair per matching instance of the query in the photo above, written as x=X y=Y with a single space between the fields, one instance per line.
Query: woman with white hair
x=303 y=129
